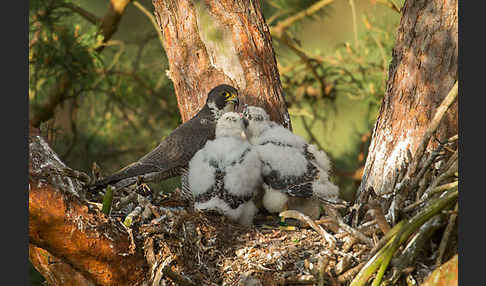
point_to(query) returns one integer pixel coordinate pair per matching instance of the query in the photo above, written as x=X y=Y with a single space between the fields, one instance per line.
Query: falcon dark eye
x=226 y=94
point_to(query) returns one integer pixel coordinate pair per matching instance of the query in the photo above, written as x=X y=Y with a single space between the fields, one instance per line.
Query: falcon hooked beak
x=234 y=101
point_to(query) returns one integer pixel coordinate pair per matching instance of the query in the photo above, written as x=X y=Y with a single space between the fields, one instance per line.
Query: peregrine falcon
x=225 y=173
x=171 y=156
x=290 y=166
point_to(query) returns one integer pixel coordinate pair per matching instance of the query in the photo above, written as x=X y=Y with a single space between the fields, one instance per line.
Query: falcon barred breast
x=290 y=166
x=171 y=156
x=225 y=174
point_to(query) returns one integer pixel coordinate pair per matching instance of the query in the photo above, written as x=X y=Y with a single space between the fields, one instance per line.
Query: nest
x=184 y=246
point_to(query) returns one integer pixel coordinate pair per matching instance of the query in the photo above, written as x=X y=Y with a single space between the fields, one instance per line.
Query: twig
x=434 y=124
x=439 y=189
x=279 y=32
x=453 y=138
x=90 y=17
x=152 y=20
x=387 y=256
x=380 y=259
x=377 y=212
x=450 y=172
x=277 y=14
x=390 y=4
x=416 y=244
x=300 y=216
x=348 y=275
x=284 y=24
x=285 y=39
x=384 y=240
x=445 y=237
x=177 y=278
x=160 y=270
x=425 y=167
x=355 y=27
x=360 y=236
x=452 y=159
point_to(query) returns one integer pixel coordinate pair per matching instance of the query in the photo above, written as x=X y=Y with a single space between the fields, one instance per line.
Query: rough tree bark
x=220 y=41
x=422 y=72
x=70 y=241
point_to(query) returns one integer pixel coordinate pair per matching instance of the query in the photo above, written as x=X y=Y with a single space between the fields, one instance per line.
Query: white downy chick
x=291 y=167
x=225 y=174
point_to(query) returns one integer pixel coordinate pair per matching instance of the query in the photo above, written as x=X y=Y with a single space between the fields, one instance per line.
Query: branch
x=56 y=96
x=93 y=19
x=307 y=59
x=390 y=4
x=78 y=234
x=284 y=24
x=434 y=124
x=279 y=33
x=111 y=19
x=355 y=27
x=152 y=20
x=446 y=235
x=54 y=270
x=98 y=247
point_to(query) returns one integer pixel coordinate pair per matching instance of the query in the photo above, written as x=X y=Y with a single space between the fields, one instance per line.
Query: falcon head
x=221 y=99
x=257 y=119
x=230 y=124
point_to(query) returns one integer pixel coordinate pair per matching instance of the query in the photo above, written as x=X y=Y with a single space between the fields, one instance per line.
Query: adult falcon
x=225 y=174
x=171 y=156
x=291 y=167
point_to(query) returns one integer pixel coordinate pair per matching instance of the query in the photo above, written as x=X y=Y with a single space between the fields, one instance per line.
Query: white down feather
x=286 y=155
x=241 y=178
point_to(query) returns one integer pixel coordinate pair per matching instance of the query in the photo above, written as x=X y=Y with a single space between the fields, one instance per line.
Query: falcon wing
x=173 y=153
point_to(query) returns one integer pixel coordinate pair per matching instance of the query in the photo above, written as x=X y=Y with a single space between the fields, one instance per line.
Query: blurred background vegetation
x=118 y=102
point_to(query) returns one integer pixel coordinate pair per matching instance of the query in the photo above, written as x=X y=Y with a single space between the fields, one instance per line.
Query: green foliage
x=58 y=49
x=119 y=102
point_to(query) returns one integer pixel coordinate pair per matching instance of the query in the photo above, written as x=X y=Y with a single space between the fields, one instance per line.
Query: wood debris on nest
x=208 y=249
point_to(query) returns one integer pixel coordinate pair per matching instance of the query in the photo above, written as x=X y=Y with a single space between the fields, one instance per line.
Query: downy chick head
x=257 y=118
x=231 y=124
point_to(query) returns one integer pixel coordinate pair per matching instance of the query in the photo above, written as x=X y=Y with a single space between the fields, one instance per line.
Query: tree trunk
x=422 y=72
x=220 y=41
